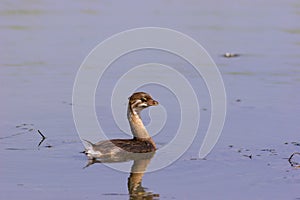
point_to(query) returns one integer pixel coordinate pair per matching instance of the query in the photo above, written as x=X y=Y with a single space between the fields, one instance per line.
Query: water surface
x=43 y=45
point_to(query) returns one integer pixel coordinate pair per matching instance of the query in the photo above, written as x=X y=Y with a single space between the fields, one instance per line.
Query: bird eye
x=143 y=99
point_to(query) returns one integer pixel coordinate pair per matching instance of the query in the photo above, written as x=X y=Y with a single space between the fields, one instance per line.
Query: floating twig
x=294 y=163
x=41 y=134
x=43 y=137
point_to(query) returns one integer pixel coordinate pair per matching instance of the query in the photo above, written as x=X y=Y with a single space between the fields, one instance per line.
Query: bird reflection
x=134 y=182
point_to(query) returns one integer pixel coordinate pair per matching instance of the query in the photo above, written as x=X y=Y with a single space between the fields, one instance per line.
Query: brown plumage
x=141 y=141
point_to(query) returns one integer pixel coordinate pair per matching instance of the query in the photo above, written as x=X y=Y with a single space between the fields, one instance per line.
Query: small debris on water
x=43 y=137
x=295 y=163
x=230 y=55
x=248 y=156
x=295 y=143
x=268 y=150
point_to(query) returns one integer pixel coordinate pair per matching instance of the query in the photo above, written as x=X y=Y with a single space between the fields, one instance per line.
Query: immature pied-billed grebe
x=141 y=142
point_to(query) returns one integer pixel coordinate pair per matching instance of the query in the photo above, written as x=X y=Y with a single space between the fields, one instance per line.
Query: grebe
x=141 y=141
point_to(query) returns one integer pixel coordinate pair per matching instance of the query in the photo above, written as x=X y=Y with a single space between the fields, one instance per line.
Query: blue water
x=43 y=45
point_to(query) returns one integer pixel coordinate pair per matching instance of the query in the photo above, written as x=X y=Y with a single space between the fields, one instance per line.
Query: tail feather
x=90 y=151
